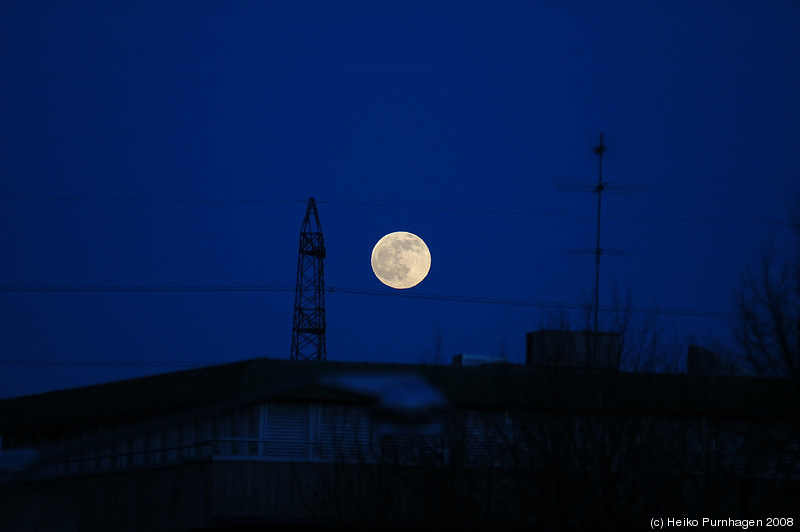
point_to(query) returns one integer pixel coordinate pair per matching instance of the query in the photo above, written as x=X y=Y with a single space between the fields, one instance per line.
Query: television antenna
x=598 y=250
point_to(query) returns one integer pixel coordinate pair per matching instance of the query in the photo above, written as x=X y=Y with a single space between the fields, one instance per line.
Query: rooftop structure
x=577 y=349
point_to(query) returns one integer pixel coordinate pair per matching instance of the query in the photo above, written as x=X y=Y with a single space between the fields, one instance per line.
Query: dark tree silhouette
x=769 y=306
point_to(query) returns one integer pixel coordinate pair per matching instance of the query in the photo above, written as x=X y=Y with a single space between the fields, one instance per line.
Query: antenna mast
x=598 y=251
x=308 y=329
x=599 y=150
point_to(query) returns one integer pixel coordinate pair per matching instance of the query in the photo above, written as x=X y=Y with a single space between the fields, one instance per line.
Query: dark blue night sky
x=174 y=145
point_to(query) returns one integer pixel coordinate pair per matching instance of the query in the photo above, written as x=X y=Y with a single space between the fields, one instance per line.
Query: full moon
x=401 y=260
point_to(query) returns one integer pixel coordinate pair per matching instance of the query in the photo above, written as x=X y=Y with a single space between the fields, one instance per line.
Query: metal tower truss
x=308 y=330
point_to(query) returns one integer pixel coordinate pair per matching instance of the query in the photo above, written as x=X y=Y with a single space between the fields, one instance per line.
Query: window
x=287 y=430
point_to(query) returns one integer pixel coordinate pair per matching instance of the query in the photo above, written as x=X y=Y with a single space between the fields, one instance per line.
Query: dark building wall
x=165 y=498
x=188 y=496
x=702 y=361
x=499 y=468
x=523 y=447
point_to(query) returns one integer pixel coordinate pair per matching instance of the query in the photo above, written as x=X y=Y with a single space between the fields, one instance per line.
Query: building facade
x=264 y=443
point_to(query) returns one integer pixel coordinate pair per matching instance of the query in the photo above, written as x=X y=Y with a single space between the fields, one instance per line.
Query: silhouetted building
x=575 y=349
x=277 y=442
x=702 y=361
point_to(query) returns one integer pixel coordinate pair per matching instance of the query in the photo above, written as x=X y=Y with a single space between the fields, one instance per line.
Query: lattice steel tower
x=308 y=331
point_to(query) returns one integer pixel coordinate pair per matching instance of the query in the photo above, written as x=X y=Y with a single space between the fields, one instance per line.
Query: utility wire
x=717 y=221
x=145 y=200
x=108 y=363
x=368 y=292
x=146 y=289
x=526 y=303
x=560 y=215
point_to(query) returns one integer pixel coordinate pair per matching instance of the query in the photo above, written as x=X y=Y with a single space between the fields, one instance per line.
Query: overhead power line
x=560 y=215
x=145 y=200
x=107 y=363
x=145 y=288
x=368 y=292
x=528 y=303
x=657 y=219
